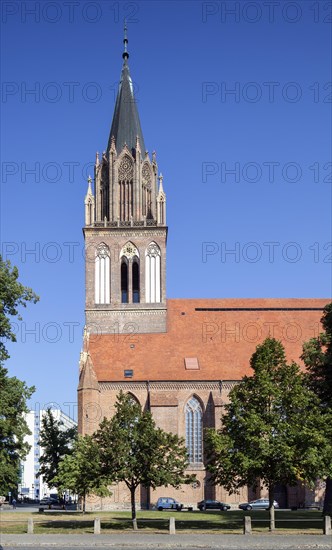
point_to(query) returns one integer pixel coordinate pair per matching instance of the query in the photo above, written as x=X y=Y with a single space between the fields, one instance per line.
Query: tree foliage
x=12 y=295
x=80 y=471
x=133 y=450
x=271 y=432
x=13 y=428
x=56 y=443
x=317 y=356
x=13 y=392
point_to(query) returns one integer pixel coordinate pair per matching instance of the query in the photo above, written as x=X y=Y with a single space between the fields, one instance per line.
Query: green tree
x=12 y=295
x=13 y=428
x=317 y=356
x=80 y=471
x=56 y=442
x=133 y=450
x=271 y=431
x=13 y=392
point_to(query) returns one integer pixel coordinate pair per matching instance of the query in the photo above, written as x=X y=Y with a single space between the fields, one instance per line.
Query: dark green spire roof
x=126 y=125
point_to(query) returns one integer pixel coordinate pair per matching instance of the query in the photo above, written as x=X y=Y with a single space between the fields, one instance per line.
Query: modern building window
x=153 y=274
x=194 y=431
x=102 y=275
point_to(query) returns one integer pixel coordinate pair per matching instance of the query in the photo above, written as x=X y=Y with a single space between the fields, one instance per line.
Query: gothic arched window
x=124 y=281
x=135 y=280
x=194 y=430
x=153 y=274
x=126 y=200
x=146 y=190
x=130 y=277
x=102 y=274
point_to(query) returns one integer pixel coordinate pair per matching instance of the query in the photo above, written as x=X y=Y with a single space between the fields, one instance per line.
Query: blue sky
x=235 y=97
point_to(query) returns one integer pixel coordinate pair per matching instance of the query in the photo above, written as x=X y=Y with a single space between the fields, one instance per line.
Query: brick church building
x=179 y=358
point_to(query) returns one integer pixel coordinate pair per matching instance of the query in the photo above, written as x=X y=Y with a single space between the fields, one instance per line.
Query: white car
x=167 y=503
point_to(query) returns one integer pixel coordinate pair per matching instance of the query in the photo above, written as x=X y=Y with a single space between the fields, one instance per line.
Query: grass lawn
x=157 y=522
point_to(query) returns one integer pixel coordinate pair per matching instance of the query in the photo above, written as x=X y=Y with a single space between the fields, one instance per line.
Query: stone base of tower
x=127 y=320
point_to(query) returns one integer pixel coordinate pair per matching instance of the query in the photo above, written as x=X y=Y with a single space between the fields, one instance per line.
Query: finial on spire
x=125 y=54
x=161 y=177
x=89 y=192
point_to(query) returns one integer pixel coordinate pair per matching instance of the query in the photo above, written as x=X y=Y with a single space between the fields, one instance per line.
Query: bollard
x=135 y=524
x=327 y=525
x=247 y=525
x=172 y=526
x=30 y=526
x=96 y=526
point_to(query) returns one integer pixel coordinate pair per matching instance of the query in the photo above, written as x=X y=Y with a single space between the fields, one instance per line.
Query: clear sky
x=235 y=97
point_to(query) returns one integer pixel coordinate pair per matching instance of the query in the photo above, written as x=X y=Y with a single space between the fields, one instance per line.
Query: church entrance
x=280 y=495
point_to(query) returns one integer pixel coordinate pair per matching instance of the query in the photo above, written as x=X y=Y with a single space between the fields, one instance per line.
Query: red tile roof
x=222 y=334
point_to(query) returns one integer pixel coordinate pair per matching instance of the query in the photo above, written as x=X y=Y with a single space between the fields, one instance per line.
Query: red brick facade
x=221 y=336
x=164 y=352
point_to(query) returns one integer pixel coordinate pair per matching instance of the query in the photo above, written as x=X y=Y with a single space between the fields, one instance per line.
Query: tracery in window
x=194 y=430
x=125 y=178
x=153 y=274
x=102 y=275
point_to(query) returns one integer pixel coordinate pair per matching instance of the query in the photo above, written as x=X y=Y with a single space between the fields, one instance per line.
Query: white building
x=30 y=485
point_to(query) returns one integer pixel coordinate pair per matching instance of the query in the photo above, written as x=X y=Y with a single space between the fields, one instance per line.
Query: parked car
x=212 y=505
x=51 y=502
x=167 y=503
x=45 y=501
x=259 y=504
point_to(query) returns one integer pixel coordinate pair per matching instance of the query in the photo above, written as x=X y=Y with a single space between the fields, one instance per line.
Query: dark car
x=259 y=504
x=51 y=503
x=212 y=505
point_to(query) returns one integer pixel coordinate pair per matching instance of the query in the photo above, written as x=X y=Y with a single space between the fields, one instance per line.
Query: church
x=177 y=357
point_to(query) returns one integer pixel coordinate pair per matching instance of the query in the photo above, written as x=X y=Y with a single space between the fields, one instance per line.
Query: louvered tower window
x=135 y=280
x=124 y=281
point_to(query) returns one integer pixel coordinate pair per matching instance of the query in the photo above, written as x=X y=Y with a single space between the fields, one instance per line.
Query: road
x=159 y=547
x=166 y=542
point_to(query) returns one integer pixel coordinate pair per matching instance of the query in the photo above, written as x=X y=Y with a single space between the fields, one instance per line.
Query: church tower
x=125 y=228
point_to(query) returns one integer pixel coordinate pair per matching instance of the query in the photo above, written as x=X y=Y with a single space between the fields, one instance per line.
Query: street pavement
x=187 y=541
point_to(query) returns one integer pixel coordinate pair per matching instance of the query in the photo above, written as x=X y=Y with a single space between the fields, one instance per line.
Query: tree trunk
x=271 y=508
x=133 y=504
x=84 y=503
x=327 y=510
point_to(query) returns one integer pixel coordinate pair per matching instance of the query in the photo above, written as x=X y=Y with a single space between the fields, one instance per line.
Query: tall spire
x=126 y=126
x=125 y=54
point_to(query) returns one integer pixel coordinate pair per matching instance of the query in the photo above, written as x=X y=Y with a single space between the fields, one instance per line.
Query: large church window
x=146 y=191
x=102 y=275
x=153 y=274
x=130 y=277
x=124 y=282
x=135 y=281
x=194 y=430
x=126 y=199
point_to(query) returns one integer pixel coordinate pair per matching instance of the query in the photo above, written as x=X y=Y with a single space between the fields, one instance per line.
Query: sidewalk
x=137 y=540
